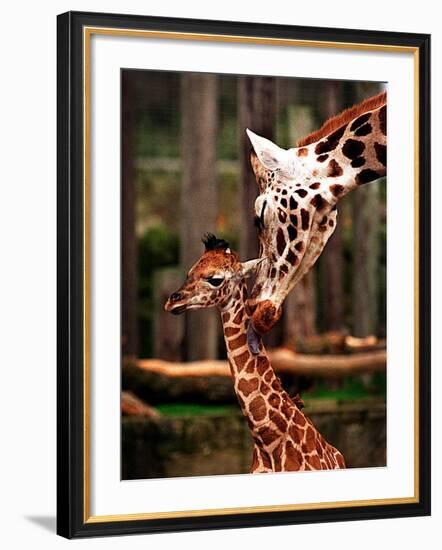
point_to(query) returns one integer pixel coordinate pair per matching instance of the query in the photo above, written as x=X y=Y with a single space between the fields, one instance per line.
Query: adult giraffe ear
x=247 y=268
x=269 y=154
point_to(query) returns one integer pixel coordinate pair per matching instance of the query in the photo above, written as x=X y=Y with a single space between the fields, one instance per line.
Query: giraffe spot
x=268 y=376
x=282 y=216
x=340 y=460
x=277 y=458
x=250 y=367
x=293 y=204
x=328 y=462
x=336 y=189
x=383 y=119
x=310 y=438
x=246 y=387
x=284 y=191
x=226 y=316
x=315 y=185
x=331 y=223
x=238 y=317
x=293 y=457
x=283 y=202
x=264 y=389
x=279 y=422
x=364 y=130
x=237 y=342
x=262 y=365
x=294 y=219
x=273 y=273
x=353 y=148
x=284 y=269
x=314 y=462
x=305 y=219
x=358 y=162
x=286 y=409
x=231 y=331
x=359 y=121
x=292 y=258
x=330 y=142
x=241 y=360
x=258 y=409
x=333 y=169
x=299 y=246
x=276 y=385
x=293 y=232
x=322 y=158
x=381 y=153
x=267 y=435
x=365 y=176
x=296 y=433
x=301 y=192
x=274 y=400
x=318 y=202
x=303 y=152
x=266 y=462
x=280 y=241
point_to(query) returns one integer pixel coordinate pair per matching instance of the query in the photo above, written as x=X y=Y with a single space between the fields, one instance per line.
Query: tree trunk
x=366 y=219
x=257 y=111
x=129 y=291
x=365 y=259
x=198 y=197
x=332 y=256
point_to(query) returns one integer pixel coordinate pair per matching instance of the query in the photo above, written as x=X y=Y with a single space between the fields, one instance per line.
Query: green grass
x=194 y=409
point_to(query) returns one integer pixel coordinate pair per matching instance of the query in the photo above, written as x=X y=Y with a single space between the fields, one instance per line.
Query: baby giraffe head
x=213 y=280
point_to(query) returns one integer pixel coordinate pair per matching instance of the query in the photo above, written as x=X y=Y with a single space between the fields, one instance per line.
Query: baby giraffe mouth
x=175 y=309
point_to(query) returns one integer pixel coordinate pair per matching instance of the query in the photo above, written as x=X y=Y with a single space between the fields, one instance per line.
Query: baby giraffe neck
x=284 y=439
x=258 y=389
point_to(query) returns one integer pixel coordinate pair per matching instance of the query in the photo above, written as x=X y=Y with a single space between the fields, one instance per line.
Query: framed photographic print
x=243 y=285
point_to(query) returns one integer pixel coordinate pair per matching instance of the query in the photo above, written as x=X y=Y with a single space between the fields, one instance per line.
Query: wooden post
x=168 y=329
x=257 y=111
x=198 y=197
x=366 y=216
x=332 y=256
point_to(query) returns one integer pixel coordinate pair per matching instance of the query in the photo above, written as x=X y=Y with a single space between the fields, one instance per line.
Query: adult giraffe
x=299 y=189
x=284 y=438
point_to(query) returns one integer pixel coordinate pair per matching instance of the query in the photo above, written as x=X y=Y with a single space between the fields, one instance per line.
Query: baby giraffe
x=284 y=438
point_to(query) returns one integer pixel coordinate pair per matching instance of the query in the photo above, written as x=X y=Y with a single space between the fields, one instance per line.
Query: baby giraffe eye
x=215 y=281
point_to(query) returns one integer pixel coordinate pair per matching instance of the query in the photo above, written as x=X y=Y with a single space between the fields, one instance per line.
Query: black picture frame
x=71 y=517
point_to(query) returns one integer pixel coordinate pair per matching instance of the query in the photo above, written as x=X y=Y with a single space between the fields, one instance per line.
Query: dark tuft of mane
x=213 y=243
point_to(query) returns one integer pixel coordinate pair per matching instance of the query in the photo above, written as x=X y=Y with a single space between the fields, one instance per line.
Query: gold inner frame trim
x=87 y=34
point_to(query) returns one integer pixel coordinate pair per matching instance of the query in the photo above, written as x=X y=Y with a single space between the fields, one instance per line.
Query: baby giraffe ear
x=269 y=154
x=247 y=268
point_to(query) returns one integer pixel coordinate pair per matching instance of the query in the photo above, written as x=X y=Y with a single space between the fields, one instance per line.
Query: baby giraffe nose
x=176 y=296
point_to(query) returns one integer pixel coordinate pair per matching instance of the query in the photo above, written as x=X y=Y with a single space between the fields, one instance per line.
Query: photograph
x=242 y=285
x=260 y=202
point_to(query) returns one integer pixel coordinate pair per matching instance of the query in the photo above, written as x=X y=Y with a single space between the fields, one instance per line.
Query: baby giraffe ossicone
x=284 y=438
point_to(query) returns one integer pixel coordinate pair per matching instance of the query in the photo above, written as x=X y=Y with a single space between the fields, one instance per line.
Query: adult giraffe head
x=299 y=188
